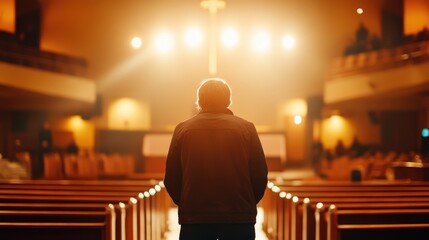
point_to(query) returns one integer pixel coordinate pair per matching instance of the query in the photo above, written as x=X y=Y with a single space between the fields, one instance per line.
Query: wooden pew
x=363 y=223
x=288 y=220
x=56 y=224
x=312 y=214
x=154 y=201
x=98 y=183
x=294 y=204
x=54 y=206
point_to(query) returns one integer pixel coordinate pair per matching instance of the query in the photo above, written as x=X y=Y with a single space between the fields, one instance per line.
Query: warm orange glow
x=334 y=128
x=7 y=16
x=336 y=122
x=416 y=16
x=83 y=131
x=125 y=107
x=295 y=107
x=212 y=5
x=76 y=122
x=129 y=113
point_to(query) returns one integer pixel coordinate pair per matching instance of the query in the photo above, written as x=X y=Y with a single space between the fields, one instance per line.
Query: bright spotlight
x=297 y=120
x=164 y=42
x=261 y=41
x=359 y=11
x=229 y=37
x=288 y=42
x=193 y=37
x=136 y=42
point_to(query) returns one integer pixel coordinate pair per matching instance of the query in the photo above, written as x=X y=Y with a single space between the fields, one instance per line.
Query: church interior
x=91 y=91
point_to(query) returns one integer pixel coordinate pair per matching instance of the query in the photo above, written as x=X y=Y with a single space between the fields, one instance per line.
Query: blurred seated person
x=316 y=152
x=339 y=148
x=72 y=148
x=356 y=148
x=423 y=35
x=362 y=38
x=377 y=166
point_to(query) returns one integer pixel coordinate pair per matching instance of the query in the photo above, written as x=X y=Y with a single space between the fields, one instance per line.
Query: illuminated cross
x=213 y=6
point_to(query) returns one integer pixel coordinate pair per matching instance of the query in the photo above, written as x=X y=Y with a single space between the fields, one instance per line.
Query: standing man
x=45 y=146
x=216 y=170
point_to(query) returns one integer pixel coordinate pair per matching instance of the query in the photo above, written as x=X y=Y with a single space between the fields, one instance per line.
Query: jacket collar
x=224 y=111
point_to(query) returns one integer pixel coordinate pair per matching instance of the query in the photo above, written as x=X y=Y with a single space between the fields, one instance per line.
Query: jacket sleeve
x=258 y=166
x=173 y=169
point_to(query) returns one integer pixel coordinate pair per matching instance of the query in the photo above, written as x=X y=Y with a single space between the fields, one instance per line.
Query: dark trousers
x=221 y=231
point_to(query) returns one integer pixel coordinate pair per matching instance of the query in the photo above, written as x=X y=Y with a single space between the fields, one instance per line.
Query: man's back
x=216 y=153
x=216 y=171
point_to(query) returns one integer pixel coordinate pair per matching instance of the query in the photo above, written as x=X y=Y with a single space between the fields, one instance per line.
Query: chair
x=53 y=166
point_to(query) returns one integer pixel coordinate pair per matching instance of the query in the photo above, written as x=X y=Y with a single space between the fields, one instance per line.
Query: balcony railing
x=35 y=58
x=379 y=60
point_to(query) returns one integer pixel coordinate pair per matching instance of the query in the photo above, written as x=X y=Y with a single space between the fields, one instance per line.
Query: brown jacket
x=216 y=170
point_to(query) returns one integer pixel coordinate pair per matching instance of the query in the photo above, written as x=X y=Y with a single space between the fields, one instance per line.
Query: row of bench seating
x=83 y=209
x=320 y=210
x=94 y=166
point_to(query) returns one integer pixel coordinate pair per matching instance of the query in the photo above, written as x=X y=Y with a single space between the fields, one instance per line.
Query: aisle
x=174 y=227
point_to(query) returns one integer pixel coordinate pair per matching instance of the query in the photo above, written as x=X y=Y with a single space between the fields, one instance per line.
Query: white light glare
x=295 y=199
x=229 y=37
x=275 y=189
x=164 y=42
x=297 y=120
x=133 y=200
x=193 y=37
x=359 y=11
x=288 y=42
x=261 y=41
x=136 y=42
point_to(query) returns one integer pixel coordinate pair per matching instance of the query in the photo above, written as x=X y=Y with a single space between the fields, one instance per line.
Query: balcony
x=38 y=80
x=384 y=74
